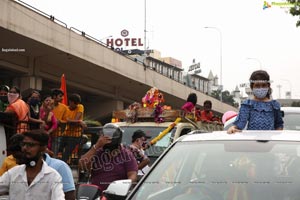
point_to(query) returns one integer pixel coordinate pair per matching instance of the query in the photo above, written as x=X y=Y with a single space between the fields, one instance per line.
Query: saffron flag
x=63 y=87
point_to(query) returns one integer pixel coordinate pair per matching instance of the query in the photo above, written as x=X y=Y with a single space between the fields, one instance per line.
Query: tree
x=216 y=94
x=226 y=97
x=295 y=11
x=296 y=104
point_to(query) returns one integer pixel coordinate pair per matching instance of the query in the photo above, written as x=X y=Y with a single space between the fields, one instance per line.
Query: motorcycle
x=88 y=192
x=117 y=190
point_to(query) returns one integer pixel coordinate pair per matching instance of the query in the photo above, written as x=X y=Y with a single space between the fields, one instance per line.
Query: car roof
x=284 y=135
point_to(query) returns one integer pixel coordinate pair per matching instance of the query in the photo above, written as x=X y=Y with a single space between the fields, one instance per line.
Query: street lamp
x=221 y=84
x=145 y=26
x=260 y=65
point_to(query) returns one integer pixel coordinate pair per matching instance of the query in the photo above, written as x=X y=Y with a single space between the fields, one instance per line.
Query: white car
x=291 y=118
x=249 y=165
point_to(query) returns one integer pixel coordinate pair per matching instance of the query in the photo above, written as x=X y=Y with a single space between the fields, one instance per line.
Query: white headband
x=260 y=81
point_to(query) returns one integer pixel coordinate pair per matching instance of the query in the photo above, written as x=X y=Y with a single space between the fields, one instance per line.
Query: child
x=207 y=115
x=261 y=112
x=190 y=104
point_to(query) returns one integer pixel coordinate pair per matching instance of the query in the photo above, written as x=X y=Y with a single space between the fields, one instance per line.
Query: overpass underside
x=36 y=51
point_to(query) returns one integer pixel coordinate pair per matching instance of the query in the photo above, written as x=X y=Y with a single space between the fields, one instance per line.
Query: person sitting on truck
x=108 y=159
x=207 y=115
x=139 y=141
x=3 y=97
x=190 y=104
x=18 y=107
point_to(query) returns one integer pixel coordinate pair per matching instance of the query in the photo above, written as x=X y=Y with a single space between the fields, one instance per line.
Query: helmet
x=229 y=123
x=228 y=115
x=228 y=118
x=113 y=131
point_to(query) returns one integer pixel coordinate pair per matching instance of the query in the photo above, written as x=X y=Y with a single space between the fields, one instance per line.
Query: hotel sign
x=195 y=68
x=124 y=41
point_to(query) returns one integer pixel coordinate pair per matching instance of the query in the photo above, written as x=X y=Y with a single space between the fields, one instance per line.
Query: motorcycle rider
x=108 y=159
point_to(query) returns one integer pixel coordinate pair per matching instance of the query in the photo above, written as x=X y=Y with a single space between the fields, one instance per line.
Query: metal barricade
x=66 y=142
x=12 y=125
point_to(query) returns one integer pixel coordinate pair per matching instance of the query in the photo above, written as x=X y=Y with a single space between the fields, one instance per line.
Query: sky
x=251 y=37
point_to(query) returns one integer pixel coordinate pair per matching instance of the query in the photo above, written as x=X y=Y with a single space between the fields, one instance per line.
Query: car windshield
x=225 y=170
x=155 y=150
x=291 y=121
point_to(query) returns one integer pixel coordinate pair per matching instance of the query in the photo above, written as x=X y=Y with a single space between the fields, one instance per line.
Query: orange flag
x=63 y=87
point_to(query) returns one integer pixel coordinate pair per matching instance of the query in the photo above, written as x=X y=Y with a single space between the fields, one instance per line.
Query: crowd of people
x=45 y=110
x=42 y=118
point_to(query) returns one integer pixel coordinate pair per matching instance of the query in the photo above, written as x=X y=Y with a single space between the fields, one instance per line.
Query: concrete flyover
x=36 y=51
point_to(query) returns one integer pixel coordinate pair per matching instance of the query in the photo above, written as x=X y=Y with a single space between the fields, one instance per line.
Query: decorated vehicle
x=163 y=124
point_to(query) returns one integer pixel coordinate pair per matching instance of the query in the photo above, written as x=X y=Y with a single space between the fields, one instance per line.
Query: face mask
x=12 y=97
x=34 y=102
x=260 y=93
x=4 y=99
x=30 y=162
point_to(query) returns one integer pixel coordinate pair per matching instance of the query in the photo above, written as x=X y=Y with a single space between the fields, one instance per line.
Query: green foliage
x=215 y=94
x=295 y=11
x=226 y=97
x=295 y=104
x=91 y=122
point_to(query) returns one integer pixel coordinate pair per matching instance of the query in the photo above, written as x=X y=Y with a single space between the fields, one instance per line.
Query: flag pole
x=63 y=87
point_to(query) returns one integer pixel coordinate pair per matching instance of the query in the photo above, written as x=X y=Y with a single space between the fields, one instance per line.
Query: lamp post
x=220 y=33
x=260 y=65
x=145 y=26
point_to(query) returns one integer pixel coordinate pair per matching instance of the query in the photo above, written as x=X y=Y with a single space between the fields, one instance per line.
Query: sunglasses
x=29 y=144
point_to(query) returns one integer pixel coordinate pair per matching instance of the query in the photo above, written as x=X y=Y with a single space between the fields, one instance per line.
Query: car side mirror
x=118 y=189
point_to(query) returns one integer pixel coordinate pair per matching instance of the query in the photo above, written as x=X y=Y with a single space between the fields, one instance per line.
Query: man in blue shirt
x=65 y=171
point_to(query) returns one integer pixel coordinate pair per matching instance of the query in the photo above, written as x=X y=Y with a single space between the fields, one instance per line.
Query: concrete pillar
x=103 y=108
x=27 y=82
x=32 y=79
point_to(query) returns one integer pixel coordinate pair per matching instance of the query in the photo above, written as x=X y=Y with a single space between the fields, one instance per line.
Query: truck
x=173 y=125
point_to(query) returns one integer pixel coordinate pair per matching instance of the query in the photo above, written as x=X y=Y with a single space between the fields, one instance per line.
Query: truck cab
x=153 y=129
